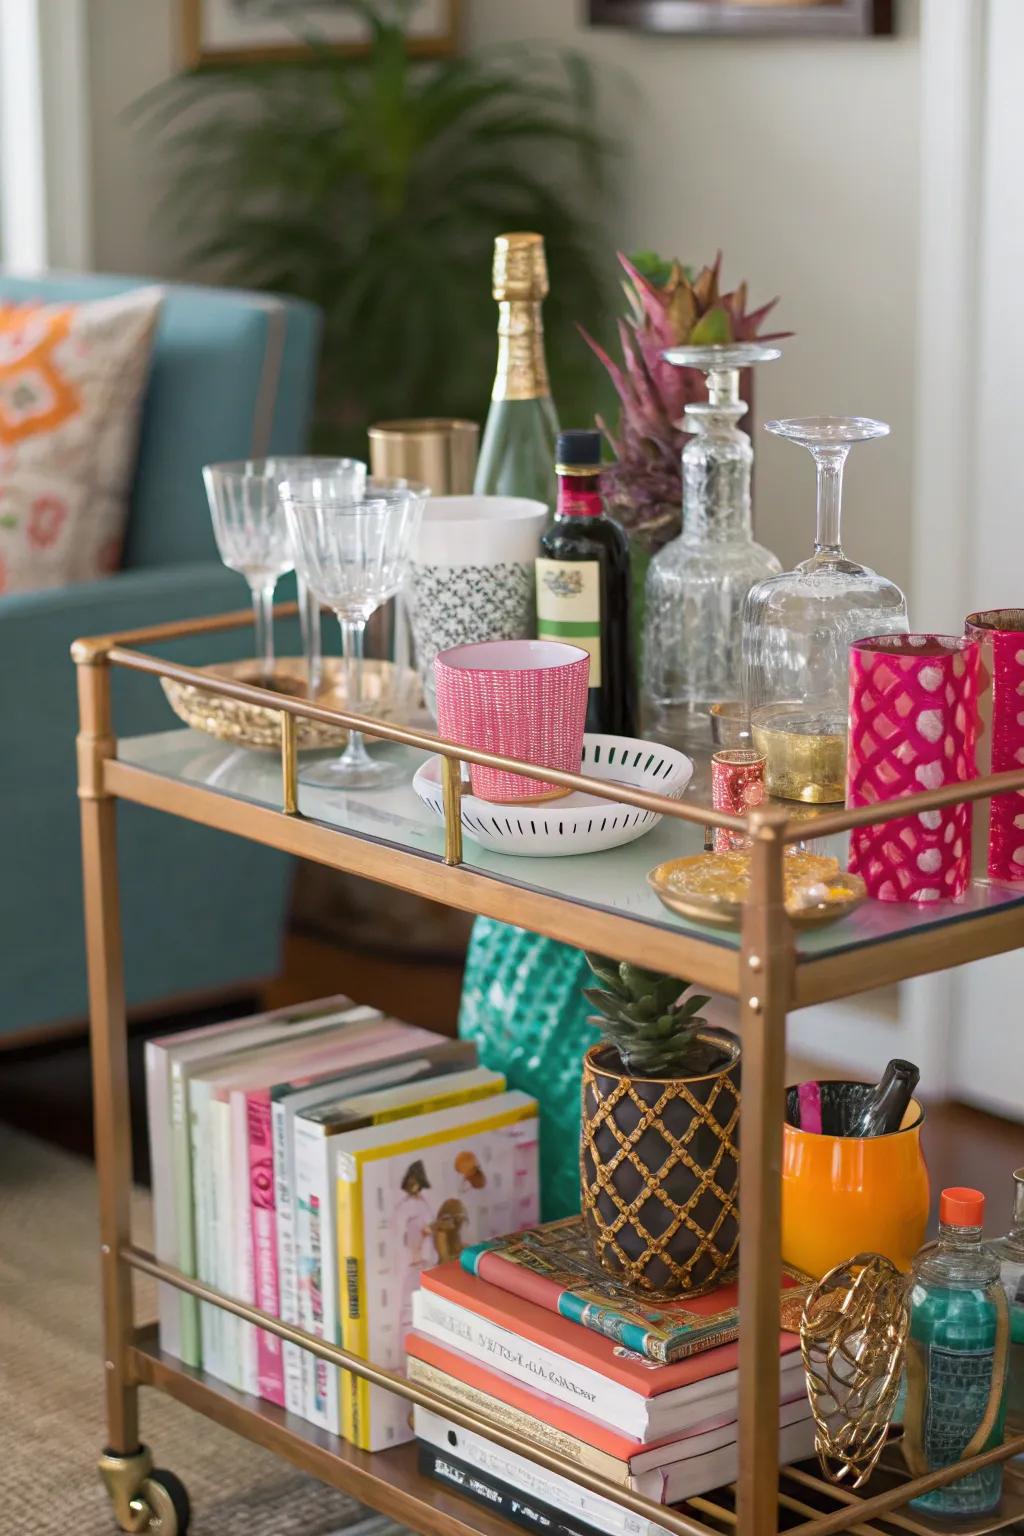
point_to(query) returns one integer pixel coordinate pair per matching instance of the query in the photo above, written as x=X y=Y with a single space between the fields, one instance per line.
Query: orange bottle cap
x=962 y=1207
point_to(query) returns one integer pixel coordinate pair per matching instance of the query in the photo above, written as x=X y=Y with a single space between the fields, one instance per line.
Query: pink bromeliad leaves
x=667 y=306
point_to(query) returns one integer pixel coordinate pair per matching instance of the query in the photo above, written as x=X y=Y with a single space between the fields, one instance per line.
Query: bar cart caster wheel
x=166 y=1498
x=144 y=1499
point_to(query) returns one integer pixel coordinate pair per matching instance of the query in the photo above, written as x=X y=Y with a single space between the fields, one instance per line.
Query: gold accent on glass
x=803 y=764
x=520 y=283
x=389 y=693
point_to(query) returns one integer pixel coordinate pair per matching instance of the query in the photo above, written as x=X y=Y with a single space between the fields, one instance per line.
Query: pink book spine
x=269 y=1360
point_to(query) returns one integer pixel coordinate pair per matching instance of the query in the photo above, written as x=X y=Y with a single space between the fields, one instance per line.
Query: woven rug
x=51 y=1407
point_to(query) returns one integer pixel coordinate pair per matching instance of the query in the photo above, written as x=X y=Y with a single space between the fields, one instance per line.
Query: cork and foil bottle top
x=520 y=268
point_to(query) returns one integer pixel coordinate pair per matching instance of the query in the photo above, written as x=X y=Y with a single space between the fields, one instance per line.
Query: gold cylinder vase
x=439 y=451
x=659 y=1171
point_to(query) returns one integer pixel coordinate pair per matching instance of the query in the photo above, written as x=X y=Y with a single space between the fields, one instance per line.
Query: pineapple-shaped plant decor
x=669 y=305
x=659 y=1163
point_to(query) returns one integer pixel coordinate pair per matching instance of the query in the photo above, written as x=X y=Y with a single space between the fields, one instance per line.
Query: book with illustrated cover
x=520 y=1339
x=170 y=1060
x=553 y=1265
x=408 y=1193
x=326 y=1101
x=657 y=1471
x=316 y=1244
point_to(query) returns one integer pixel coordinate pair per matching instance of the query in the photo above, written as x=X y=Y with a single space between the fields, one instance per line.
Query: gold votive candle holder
x=802 y=764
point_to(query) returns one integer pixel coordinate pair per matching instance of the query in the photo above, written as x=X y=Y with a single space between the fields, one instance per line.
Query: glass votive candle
x=737 y=784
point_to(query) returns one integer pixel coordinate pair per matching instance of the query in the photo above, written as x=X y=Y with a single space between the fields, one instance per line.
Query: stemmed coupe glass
x=252 y=538
x=798 y=628
x=353 y=555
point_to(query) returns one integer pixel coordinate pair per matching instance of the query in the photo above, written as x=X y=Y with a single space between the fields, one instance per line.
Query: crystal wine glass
x=252 y=537
x=353 y=555
x=349 y=476
x=798 y=628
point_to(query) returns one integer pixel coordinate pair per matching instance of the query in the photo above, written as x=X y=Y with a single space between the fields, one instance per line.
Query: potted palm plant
x=659 y=1161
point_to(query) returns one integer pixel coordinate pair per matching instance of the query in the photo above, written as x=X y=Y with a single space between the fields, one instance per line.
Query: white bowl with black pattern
x=577 y=822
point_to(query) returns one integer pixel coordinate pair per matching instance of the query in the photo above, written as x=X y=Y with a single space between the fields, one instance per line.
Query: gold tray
x=712 y=888
x=389 y=693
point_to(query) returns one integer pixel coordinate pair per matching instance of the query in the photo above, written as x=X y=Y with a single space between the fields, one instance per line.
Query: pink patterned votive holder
x=999 y=822
x=737 y=784
x=913 y=726
x=519 y=698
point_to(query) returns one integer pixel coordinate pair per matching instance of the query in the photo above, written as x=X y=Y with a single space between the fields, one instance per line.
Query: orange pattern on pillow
x=35 y=394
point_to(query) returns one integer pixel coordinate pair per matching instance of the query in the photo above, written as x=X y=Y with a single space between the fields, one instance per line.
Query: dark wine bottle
x=882 y=1111
x=584 y=587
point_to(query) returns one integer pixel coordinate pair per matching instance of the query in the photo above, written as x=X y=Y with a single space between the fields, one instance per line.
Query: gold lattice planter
x=659 y=1171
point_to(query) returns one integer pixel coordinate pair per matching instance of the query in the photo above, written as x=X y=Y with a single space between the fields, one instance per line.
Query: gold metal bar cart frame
x=765 y=974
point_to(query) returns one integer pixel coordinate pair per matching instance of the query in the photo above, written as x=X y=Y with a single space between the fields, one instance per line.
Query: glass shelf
x=613 y=882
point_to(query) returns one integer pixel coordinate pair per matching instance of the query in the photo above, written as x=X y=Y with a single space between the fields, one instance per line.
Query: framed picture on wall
x=764 y=18
x=254 y=31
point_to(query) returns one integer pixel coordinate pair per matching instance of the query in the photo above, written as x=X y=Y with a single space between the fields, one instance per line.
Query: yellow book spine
x=439 y=1100
x=355 y=1393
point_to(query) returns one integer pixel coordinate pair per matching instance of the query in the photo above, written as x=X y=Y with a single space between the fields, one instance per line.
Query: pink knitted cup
x=999 y=822
x=520 y=698
x=913 y=725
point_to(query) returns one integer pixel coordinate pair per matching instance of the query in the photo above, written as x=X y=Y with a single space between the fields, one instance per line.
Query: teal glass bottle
x=956 y=1361
x=1009 y=1251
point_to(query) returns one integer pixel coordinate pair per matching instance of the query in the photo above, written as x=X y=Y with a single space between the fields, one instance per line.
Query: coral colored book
x=527 y=1342
x=601 y=1447
x=553 y=1266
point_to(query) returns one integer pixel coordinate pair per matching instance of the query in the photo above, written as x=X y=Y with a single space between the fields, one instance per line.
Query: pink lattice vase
x=913 y=726
x=999 y=822
x=520 y=698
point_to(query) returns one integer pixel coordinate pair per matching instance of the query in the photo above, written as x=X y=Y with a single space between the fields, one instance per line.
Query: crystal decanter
x=697 y=584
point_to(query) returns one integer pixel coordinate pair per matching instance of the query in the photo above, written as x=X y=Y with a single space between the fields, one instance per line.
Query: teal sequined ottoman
x=523 y=1004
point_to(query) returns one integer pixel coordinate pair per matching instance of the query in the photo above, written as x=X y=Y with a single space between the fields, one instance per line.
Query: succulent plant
x=668 y=306
x=645 y=1017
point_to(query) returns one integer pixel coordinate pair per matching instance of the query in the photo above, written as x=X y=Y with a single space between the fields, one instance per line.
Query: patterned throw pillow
x=72 y=380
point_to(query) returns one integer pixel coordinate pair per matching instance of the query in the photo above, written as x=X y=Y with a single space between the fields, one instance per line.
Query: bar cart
x=599 y=901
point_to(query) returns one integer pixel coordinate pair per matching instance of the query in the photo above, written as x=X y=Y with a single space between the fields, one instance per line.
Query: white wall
x=798 y=158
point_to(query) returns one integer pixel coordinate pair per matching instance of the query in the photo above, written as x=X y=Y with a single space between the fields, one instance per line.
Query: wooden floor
x=45 y=1089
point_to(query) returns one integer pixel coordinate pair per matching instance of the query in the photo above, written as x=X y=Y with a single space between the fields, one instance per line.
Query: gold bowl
x=389 y=693
x=713 y=887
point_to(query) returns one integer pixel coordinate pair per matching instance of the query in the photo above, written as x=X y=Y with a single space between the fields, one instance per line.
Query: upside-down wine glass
x=252 y=538
x=353 y=555
x=798 y=628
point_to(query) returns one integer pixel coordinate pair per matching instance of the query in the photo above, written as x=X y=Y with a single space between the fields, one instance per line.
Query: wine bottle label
x=569 y=607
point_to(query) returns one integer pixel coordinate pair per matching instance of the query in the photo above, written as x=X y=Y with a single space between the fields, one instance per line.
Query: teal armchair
x=232 y=377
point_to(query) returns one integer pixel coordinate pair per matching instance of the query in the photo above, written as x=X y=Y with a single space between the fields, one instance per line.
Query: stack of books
x=313 y=1161
x=535 y=1337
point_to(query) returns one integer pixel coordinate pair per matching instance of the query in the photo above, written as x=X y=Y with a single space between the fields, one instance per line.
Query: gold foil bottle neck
x=520 y=267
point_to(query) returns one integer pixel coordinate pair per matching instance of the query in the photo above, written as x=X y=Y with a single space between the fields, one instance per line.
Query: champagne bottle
x=518 y=448
x=584 y=587
x=882 y=1111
